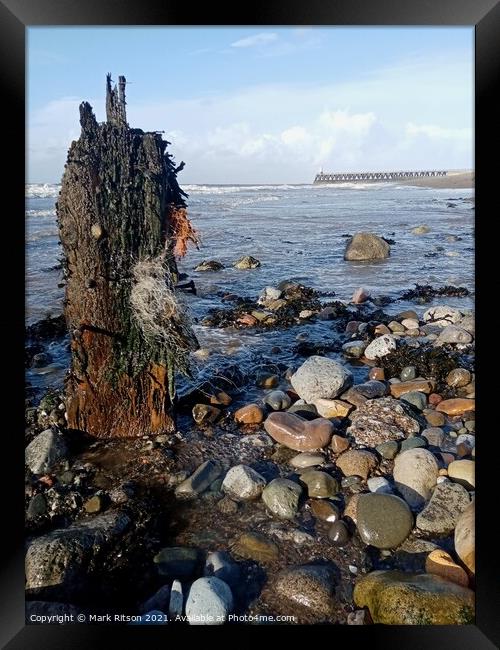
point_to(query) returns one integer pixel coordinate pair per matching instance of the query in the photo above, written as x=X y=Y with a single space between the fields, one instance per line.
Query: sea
x=297 y=232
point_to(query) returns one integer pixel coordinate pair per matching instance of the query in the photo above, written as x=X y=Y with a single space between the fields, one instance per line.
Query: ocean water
x=296 y=231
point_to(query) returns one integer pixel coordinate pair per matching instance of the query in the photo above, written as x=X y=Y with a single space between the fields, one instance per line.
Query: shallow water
x=296 y=231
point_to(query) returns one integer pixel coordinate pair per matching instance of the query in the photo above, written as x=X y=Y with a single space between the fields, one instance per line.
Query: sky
x=261 y=104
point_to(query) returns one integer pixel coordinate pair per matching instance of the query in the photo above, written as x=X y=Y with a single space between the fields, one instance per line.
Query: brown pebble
x=247 y=319
x=268 y=381
x=440 y=563
x=435 y=398
x=227 y=506
x=381 y=329
x=339 y=534
x=339 y=444
x=93 y=505
x=456 y=406
x=324 y=510
x=351 y=509
x=434 y=418
x=296 y=433
x=420 y=385
x=221 y=398
x=377 y=373
x=249 y=414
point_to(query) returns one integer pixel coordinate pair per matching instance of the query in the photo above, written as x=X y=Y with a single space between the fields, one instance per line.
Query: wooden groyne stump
x=122 y=219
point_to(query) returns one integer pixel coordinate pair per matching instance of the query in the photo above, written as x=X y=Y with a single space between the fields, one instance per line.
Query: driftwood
x=118 y=203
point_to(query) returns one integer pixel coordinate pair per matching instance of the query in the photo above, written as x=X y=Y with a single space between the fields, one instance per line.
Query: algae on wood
x=117 y=214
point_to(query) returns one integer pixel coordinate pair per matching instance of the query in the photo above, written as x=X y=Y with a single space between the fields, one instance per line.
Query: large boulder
x=366 y=246
x=321 y=378
x=398 y=598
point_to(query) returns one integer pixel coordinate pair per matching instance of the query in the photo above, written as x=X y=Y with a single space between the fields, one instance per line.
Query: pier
x=373 y=177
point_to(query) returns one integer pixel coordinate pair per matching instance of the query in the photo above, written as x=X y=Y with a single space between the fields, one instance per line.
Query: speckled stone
x=441 y=514
x=413 y=443
x=308 y=586
x=384 y=520
x=434 y=436
x=458 y=377
x=382 y=419
x=388 y=450
x=357 y=462
x=435 y=418
x=254 y=546
x=408 y=373
x=281 y=497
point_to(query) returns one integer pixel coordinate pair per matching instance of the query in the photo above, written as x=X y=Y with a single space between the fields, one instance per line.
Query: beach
x=452 y=180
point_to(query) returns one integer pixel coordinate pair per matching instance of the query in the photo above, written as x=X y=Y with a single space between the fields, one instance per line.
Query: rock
x=368 y=389
x=176 y=603
x=320 y=485
x=249 y=414
x=275 y=305
x=269 y=294
x=254 y=546
x=366 y=246
x=435 y=418
x=396 y=327
x=383 y=520
x=353 y=397
x=267 y=381
x=357 y=462
x=333 y=408
x=421 y=230
x=388 y=450
x=465 y=538
x=61 y=561
x=351 y=509
x=416 y=399
x=379 y=485
x=324 y=510
x=413 y=443
x=381 y=329
x=158 y=601
x=247 y=320
x=415 y=474
x=412 y=553
x=209 y=602
x=360 y=295
x=281 y=496
x=339 y=444
x=419 y=385
x=457 y=406
x=200 y=480
x=441 y=514
x=209 y=265
x=377 y=373
x=339 y=534
x=463 y=472
x=354 y=348
x=408 y=373
x=453 y=334
x=277 y=400
x=221 y=398
x=309 y=586
x=357 y=617
x=37 y=507
x=221 y=565
x=293 y=535
x=440 y=563
x=397 y=598
x=306 y=314
x=306 y=459
x=380 y=420
x=305 y=411
x=45 y=450
x=295 y=433
x=242 y=483
x=246 y=262
x=321 y=378
x=442 y=315
x=434 y=436
x=205 y=413
x=93 y=505
x=227 y=506
x=380 y=346
x=458 y=377
x=177 y=561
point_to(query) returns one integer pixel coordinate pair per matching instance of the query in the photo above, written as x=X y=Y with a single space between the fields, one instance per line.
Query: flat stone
x=321 y=378
x=434 y=436
x=354 y=348
x=249 y=414
x=277 y=400
x=369 y=389
x=364 y=246
x=415 y=474
x=199 y=481
x=254 y=546
x=410 y=323
x=324 y=510
x=442 y=315
x=388 y=450
x=416 y=399
x=320 y=485
x=379 y=485
x=420 y=385
x=435 y=418
x=307 y=459
x=205 y=413
x=382 y=419
x=380 y=347
x=242 y=483
x=299 y=434
x=309 y=586
x=383 y=520
x=458 y=378
x=413 y=443
x=440 y=563
x=463 y=472
x=178 y=561
x=465 y=537
x=209 y=602
x=353 y=397
x=441 y=514
x=453 y=334
x=399 y=598
x=45 y=450
x=394 y=326
x=37 y=507
x=357 y=462
x=333 y=408
x=339 y=444
x=281 y=497
x=457 y=406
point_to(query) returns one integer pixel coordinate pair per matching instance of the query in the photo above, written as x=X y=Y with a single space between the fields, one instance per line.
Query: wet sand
x=453 y=180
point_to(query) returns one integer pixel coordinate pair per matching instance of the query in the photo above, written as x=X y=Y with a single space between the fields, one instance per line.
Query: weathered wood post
x=121 y=216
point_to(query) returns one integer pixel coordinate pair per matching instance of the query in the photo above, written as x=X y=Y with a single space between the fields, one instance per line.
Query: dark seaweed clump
x=424 y=293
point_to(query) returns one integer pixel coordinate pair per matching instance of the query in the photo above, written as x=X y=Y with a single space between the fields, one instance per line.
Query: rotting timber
x=122 y=217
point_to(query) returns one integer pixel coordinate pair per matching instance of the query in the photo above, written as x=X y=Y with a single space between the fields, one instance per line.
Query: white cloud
x=437 y=132
x=257 y=39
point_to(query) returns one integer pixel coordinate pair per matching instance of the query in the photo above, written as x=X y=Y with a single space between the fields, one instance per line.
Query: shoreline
x=454 y=180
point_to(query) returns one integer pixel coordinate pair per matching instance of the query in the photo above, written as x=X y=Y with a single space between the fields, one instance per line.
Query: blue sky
x=262 y=104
